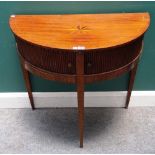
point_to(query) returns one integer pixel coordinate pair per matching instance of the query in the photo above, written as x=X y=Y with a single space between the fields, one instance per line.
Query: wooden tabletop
x=80 y=31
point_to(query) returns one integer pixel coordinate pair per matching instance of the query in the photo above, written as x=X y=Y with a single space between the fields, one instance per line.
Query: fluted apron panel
x=64 y=62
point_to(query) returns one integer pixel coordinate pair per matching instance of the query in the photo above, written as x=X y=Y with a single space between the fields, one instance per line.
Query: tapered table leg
x=80 y=96
x=80 y=93
x=131 y=83
x=28 y=85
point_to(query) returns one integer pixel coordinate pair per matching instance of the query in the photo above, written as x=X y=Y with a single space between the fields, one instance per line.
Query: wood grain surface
x=88 y=31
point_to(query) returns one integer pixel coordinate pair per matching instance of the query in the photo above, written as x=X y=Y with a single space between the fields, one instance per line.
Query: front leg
x=28 y=84
x=80 y=93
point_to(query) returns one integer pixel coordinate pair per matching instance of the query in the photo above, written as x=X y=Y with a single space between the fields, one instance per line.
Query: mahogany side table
x=81 y=48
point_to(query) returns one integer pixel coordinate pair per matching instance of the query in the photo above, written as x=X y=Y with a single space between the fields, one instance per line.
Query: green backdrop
x=11 y=79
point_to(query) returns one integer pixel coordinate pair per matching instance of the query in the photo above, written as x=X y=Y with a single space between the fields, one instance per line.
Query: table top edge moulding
x=71 y=31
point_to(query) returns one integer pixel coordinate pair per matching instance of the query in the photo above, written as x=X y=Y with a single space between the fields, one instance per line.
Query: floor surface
x=107 y=130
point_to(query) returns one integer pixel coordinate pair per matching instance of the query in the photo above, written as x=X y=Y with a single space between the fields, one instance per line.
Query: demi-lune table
x=80 y=48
